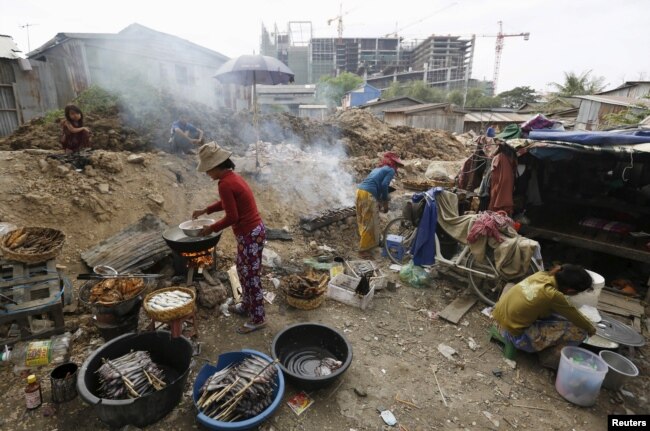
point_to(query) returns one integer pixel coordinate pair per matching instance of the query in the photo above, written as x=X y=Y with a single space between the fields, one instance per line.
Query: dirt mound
x=366 y=135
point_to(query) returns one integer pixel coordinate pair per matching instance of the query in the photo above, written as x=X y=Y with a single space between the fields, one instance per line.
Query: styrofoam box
x=341 y=289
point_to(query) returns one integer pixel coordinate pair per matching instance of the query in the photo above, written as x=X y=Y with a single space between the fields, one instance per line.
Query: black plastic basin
x=300 y=347
x=173 y=355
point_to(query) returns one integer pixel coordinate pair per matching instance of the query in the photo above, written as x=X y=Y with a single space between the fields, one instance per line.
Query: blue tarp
x=593 y=138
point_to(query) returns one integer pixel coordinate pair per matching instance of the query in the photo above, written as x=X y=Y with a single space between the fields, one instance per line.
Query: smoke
x=312 y=177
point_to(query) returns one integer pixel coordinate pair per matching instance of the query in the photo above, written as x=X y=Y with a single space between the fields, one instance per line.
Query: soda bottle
x=27 y=354
x=33 y=394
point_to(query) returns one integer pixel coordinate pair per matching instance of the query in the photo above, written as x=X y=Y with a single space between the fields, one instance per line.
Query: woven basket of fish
x=169 y=304
x=305 y=293
x=32 y=244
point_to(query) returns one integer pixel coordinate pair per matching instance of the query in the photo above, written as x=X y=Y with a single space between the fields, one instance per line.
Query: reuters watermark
x=628 y=422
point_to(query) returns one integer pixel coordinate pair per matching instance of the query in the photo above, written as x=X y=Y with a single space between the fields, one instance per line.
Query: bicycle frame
x=459 y=261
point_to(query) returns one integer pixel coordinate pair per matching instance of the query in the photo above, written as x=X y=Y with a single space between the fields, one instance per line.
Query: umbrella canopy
x=254 y=69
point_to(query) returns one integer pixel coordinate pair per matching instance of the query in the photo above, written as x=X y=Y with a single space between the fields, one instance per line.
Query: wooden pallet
x=25 y=320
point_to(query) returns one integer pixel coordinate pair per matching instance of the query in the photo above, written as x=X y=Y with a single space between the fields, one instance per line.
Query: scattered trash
x=415 y=275
x=276 y=282
x=395 y=267
x=492 y=419
x=388 y=417
x=270 y=258
x=472 y=344
x=269 y=297
x=487 y=311
x=77 y=334
x=497 y=372
x=325 y=248
x=300 y=402
x=224 y=307
x=447 y=352
x=512 y=364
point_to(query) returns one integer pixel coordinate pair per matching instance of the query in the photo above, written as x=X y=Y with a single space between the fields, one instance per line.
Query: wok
x=181 y=243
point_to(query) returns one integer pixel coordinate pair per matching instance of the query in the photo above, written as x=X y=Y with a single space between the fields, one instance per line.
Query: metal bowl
x=193 y=228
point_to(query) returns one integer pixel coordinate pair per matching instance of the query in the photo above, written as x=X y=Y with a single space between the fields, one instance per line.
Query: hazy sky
x=610 y=38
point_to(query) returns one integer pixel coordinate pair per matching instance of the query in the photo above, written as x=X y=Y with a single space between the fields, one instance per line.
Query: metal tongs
x=101 y=272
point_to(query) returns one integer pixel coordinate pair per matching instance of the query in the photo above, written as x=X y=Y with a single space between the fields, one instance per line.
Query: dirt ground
x=395 y=342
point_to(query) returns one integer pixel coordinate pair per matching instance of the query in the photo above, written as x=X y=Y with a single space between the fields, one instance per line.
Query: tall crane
x=499 y=48
x=339 y=18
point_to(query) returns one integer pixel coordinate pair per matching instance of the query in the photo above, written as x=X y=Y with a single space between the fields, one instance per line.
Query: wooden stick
x=408 y=403
x=407 y=321
x=530 y=407
x=510 y=423
x=439 y=390
x=234 y=284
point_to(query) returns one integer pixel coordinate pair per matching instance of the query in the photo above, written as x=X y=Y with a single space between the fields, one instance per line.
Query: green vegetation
x=331 y=89
x=576 y=85
x=630 y=116
x=518 y=96
x=96 y=100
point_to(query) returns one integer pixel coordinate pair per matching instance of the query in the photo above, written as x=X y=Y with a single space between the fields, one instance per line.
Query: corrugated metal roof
x=496 y=117
x=425 y=107
x=616 y=100
x=384 y=101
x=285 y=89
x=8 y=48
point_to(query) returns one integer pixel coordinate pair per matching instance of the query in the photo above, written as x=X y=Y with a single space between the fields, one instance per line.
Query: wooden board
x=457 y=309
x=631 y=305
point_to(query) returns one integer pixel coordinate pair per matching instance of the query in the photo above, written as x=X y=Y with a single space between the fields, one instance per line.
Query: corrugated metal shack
x=593 y=109
x=377 y=108
x=478 y=121
x=289 y=97
x=10 y=115
x=444 y=116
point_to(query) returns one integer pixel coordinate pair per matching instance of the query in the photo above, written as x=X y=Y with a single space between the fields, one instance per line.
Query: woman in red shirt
x=238 y=202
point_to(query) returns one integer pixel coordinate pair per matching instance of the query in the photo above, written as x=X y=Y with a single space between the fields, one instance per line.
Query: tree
x=331 y=89
x=476 y=98
x=582 y=84
x=417 y=90
x=517 y=96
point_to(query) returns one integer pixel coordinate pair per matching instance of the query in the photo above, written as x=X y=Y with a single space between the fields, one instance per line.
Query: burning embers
x=198 y=260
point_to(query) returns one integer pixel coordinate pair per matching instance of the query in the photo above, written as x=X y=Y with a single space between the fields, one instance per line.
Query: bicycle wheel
x=404 y=228
x=489 y=289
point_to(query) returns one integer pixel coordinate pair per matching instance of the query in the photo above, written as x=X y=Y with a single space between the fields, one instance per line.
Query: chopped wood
x=234 y=284
x=457 y=309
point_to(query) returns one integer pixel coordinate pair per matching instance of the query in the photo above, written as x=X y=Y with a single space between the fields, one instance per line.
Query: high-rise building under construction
x=440 y=61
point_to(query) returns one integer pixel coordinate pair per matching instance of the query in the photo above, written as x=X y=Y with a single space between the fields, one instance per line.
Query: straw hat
x=211 y=155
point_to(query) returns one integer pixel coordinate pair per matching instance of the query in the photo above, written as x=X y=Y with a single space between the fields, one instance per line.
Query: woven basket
x=57 y=240
x=172 y=313
x=306 y=304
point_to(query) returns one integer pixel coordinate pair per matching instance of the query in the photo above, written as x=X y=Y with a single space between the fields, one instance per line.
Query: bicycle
x=485 y=280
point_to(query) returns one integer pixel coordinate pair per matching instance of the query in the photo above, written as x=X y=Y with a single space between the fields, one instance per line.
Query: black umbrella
x=251 y=70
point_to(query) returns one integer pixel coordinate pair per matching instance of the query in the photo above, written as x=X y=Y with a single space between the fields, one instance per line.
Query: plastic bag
x=415 y=275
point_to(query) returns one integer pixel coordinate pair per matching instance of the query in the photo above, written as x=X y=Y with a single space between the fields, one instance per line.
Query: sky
x=608 y=38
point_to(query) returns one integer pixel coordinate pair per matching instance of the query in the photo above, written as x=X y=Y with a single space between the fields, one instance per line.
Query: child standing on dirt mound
x=74 y=136
x=372 y=196
x=238 y=202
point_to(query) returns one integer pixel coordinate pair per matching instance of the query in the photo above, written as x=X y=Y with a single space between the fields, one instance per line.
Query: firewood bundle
x=307 y=287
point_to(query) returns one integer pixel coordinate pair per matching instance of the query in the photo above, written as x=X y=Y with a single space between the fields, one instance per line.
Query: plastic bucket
x=64 y=382
x=589 y=297
x=580 y=375
x=620 y=369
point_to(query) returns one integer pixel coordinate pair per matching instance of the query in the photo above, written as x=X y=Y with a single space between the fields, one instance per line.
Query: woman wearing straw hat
x=238 y=202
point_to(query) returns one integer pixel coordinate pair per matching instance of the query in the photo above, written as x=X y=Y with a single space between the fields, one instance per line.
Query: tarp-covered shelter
x=588 y=195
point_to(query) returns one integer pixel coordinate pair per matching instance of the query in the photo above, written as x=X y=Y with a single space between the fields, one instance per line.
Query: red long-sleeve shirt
x=238 y=202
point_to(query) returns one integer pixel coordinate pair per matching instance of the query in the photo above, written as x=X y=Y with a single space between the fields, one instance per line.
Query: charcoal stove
x=196 y=254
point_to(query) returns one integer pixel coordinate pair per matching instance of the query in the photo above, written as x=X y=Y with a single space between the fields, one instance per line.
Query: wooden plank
x=631 y=304
x=636 y=324
x=234 y=284
x=614 y=309
x=457 y=309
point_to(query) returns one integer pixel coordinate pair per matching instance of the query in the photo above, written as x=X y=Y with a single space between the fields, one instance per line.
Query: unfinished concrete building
x=441 y=61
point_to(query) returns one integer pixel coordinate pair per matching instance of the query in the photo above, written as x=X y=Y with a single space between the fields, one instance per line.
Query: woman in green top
x=535 y=313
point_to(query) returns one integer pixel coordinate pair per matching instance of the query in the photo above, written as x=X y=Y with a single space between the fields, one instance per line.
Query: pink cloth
x=488 y=224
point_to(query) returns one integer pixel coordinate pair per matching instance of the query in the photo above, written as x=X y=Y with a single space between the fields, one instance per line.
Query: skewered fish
x=130 y=376
x=116 y=289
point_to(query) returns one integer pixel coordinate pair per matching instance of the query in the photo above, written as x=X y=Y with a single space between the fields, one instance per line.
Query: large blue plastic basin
x=223 y=361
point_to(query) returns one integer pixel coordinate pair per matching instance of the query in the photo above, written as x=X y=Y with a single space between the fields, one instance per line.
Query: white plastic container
x=341 y=288
x=580 y=376
x=591 y=296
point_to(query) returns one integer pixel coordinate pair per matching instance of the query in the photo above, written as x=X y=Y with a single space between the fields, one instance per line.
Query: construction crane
x=339 y=19
x=499 y=49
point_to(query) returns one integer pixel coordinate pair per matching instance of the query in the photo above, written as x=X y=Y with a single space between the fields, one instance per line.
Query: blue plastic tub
x=223 y=361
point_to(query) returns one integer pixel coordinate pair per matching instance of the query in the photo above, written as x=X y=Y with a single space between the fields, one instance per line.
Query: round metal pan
x=181 y=243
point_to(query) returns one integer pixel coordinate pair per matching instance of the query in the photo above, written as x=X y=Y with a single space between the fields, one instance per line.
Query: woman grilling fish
x=238 y=203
